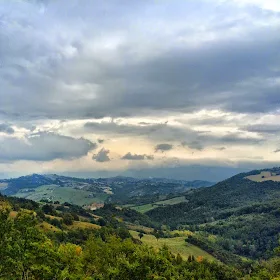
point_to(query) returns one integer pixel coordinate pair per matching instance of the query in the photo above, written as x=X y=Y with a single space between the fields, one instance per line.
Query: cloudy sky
x=172 y=88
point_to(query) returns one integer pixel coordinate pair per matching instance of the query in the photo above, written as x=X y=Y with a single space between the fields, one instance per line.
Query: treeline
x=110 y=212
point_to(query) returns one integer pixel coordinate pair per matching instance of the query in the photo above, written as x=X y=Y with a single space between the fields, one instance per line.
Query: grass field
x=83 y=225
x=176 y=245
x=147 y=207
x=46 y=227
x=62 y=194
x=137 y=228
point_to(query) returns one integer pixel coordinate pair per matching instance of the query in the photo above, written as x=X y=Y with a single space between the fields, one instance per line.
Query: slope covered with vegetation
x=63 y=241
x=27 y=252
x=237 y=215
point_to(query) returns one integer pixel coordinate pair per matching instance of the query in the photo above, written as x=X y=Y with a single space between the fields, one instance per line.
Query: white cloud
x=273 y=5
x=204 y=74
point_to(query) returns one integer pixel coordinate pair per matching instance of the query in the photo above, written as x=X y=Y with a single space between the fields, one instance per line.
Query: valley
x=85 y=192
x=235 y=223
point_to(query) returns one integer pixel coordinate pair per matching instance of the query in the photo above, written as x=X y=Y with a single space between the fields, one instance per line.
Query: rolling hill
x=85 y=192
x=238 y=215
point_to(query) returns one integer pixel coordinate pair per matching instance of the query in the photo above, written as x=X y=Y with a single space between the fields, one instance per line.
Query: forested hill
x=243 y=215
x=205 y=204
x=43 y=242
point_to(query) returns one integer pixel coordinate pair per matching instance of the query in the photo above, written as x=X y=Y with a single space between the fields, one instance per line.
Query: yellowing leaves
x=78 y=250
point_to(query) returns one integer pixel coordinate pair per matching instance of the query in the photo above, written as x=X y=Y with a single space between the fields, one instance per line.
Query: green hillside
x=237 y=215
x=62 y=194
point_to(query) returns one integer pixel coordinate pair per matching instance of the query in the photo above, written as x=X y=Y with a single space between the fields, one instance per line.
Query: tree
x=67 y=219
x=101 y=222
x=48 y=209
x=157 y=235
x=140 y=234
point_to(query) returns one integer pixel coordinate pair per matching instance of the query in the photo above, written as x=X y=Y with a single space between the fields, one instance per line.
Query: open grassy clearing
x=147 y=207
x=83 y=225
x=62 y=194
x=137 y=228
x=176 y=245
x=76 y=225
x=144 y=208
x=46 y=227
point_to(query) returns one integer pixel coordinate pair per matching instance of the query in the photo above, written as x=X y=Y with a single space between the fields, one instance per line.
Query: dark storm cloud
x=163 y=147
x=117 y=128
x=44 y=147
x=100 y=67
x=130 y=156
x=262 y=128
x=102 y=156
x=6 y=128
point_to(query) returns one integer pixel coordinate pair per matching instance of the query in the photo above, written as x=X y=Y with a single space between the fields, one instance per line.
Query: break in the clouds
x=187 y=77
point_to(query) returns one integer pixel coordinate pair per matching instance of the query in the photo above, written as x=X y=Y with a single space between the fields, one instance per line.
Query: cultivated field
x=264 y=176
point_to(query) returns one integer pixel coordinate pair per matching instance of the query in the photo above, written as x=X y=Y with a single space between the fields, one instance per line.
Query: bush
x=67 y=219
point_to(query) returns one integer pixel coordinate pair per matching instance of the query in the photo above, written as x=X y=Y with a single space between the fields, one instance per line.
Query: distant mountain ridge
x=57 y=187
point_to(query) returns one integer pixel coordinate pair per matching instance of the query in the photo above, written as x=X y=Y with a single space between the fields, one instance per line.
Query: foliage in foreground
x=109 y=253
x=27 y=253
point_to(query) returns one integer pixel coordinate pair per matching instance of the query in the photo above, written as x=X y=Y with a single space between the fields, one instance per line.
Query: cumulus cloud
x=102 y=156
x=130 y=156
x=163 y=147
x=6 y=128
x=44 y=147
x=196 y=145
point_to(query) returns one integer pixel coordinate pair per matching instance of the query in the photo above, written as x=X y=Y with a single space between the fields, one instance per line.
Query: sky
x=185 y=89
